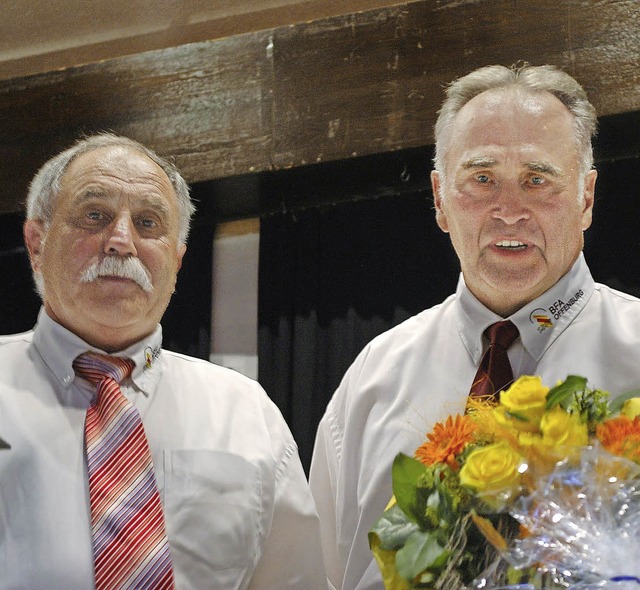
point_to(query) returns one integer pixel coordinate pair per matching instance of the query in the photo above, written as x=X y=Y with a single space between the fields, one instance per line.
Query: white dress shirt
x=420 y=372
x=238 y=511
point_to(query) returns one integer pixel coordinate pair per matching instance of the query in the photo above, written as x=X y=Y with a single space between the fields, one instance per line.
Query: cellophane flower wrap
x=541 y=490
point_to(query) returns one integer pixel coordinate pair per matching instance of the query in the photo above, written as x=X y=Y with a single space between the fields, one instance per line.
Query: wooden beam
x=326 y=90
x=38 y=40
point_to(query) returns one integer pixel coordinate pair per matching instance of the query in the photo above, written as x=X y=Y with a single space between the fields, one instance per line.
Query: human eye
x=147 y=223
x=537 y=180
x=479 y=183
x=483 y=179
x=94 y=215
x=150 y=224
x=91 y=217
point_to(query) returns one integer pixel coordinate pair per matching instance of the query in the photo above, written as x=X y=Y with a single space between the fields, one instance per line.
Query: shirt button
x=67 y=379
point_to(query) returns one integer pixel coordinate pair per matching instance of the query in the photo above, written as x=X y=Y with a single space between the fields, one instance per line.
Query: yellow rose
x=631 y=408
x=524 y=403
x=529 y=439
x=559 y=428
x=492 y=468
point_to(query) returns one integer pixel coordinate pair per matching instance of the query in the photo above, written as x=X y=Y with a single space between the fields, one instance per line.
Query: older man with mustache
x=130 y=466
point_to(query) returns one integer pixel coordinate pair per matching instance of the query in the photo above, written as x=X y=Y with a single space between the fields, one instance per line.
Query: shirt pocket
x=213 y=512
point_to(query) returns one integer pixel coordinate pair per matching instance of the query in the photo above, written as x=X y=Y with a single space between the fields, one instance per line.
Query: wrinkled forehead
x=114 y=171
x=512 y=123
x=513 y=106
x=117 y=161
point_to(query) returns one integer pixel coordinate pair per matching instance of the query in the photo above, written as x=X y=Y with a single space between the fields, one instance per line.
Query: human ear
x=182 y=248
x=588 y=197
x=436 y=186
x=34 y=234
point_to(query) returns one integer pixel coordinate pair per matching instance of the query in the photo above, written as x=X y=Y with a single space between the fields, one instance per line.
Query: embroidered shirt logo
x=150 y=356
x=560 y=307
x=540 y=317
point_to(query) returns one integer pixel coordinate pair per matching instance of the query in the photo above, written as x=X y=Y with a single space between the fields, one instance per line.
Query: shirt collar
x=539 y=322
x=58 y=347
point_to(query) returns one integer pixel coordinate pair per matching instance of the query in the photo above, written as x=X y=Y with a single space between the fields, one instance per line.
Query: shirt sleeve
x=292 y=554
x=322 y=478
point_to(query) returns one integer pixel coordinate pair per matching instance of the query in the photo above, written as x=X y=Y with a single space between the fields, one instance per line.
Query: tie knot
x=502 y=333
x=95 y=367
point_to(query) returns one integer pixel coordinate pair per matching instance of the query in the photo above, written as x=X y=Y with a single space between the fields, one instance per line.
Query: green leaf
x=615 y=405
x=393 y=528
x=562 y=393
x=406 y=473
x=421 y=551
x=517 y=416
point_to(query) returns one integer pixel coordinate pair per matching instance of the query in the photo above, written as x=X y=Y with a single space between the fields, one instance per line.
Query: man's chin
x=525 y=273
x=114 y=329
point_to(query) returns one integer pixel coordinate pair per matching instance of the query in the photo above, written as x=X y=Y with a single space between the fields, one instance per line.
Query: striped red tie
x=494 y=372
x=130 y=544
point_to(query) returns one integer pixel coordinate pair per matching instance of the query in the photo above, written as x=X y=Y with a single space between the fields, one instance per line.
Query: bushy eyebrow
x=158 y=205
x=90 y=193
x=544 y=168
x=541 y=167
x=480 y=162
x=144 y=201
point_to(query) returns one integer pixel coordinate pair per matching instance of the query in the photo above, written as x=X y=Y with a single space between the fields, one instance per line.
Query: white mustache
x=115 y=266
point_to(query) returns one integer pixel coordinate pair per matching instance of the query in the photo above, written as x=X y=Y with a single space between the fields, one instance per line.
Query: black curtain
x=19 y=303
x=330 y=280
x=612 y=245
x=186 y=325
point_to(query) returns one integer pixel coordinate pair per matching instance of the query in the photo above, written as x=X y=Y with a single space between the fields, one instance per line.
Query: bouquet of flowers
x=522 y=494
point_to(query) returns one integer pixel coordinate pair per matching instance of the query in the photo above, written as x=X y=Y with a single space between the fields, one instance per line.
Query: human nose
x=511 y=204
x=120 y=240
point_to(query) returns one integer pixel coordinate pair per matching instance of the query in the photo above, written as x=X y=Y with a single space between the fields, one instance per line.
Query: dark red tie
x=494 y=372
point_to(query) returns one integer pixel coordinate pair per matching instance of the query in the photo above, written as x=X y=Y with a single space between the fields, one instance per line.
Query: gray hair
x=45 y=186
x=532 y=78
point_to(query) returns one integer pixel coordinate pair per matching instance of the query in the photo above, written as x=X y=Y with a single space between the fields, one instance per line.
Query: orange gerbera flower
x=446 y=441
x=621 y=436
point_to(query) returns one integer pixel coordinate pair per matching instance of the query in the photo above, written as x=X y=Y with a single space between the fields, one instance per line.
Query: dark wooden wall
x=328 y=90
